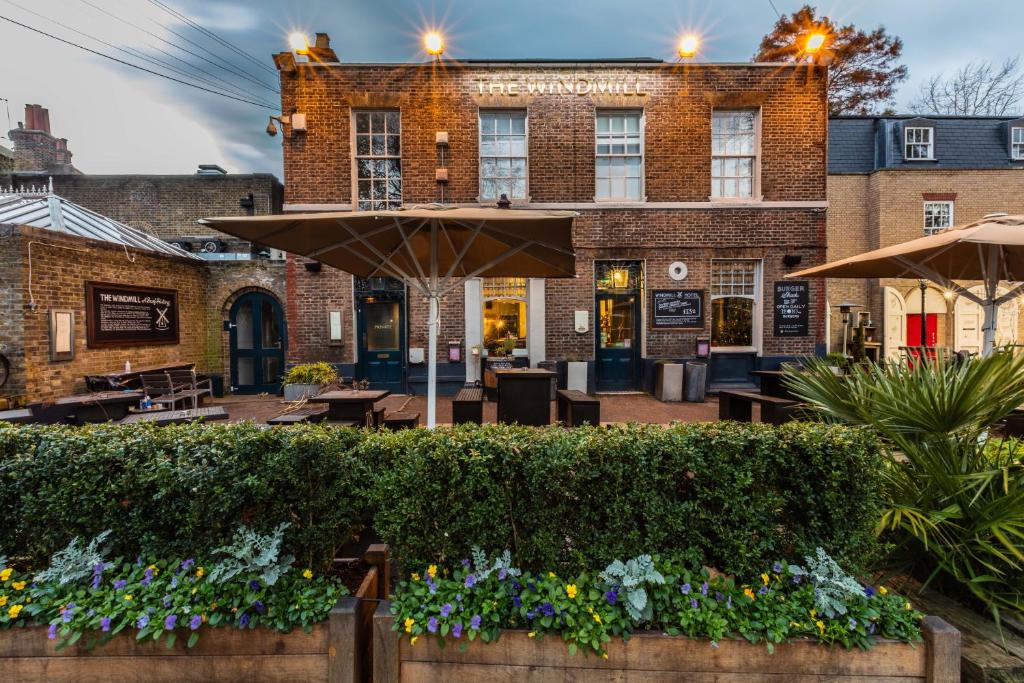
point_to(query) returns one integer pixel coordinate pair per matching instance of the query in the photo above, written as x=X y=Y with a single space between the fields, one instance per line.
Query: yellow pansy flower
x=764 y=577
x=154 y=569
x=597 y=618
x=551 y=575
x=409 y=623
x=6 y=574
x=531 y=634
x=18 y=585
x=14 y=611
x=907 y=606
x=412 y=641
x=795 y=624
x=570 y=590
x=432 y=571
x=415 y=576
x=604 y=655
x=3 y=600
x=883 y=590
x=199 y=572
x=307 y=574
x=128 y=597
x=820 y=624
x=813 y=613
x=749 y=593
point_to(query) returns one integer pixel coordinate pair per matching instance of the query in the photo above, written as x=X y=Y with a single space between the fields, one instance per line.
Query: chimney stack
x=37 y=118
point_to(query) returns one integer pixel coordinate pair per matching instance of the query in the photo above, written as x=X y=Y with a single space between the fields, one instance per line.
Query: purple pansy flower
x=548 y=609
x=243 y=620
x=685 y=589
x=871 y=628
x=719 y=596
x=195 y=622
x=169 y=621
x=869 y=591
x=432 y=624
x=142 y=622
x=612 y=596
x=446 y=609
x=105 y=624
x=174 y=582
x=254 y=585
x=52 y=632
x=432 y=587
x=502 y=573
x=518 y=586
x=465 y=563
x=186 y=564
x=852 y=623
x=119 y=584
x=470 y=581
x=763 y=590
x=796 y=579
x=693 y=603
x=517 y=601
x=457 y=629
x=259 y=607
x=530 y=614
x=777 y=567
x=167 y=601
x=148 y=577
x=474 y=623
x=704 y=589
x=458 y=597
x=97 y=574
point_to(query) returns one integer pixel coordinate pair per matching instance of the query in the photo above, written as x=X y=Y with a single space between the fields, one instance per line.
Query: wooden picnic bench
x=23 y=416
x=468 y=406
x=738 y=405
x=576 y=408
x=401 y=420
x=169 y=417
x=317 y=413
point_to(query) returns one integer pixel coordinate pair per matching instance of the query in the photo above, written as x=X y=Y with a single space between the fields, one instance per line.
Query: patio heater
x=923 y=285
x=844 y=309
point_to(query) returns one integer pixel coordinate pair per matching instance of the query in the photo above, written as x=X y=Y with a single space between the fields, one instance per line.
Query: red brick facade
x=676 y=222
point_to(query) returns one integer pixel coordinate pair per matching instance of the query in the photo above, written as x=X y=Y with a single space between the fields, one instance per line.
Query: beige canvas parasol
x=990 y=250
x=433 y=249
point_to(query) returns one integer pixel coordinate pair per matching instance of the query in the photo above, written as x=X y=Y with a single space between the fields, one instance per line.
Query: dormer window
x=1017 y=142
x=919 y=143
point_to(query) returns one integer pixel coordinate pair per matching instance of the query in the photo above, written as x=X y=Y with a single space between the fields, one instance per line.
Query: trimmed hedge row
x=734 y=496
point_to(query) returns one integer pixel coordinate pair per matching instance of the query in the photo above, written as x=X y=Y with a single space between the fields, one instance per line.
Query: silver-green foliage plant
x=833 y=587
x=502 y=565
x=74 y=562
x=954 y=496
x=629 y=579
x=253 y=553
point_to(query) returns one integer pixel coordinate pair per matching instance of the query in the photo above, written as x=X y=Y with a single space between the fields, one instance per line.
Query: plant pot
x=668 y=383
x=577 y=376
x=298 y=392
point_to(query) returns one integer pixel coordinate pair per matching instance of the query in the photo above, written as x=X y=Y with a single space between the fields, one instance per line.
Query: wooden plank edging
x=386 y=663
x=943 y=643
x=342 y=640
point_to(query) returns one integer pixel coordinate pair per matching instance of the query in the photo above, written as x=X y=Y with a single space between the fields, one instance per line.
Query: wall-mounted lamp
x=688 y=46
x=295 y=122
x=792 y=260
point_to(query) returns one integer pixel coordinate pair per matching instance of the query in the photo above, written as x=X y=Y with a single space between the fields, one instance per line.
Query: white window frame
x=931 y=230
x=930 y=143
x=526 y=156
x=356 y=156
x=757 y=314
x=755 y=167
x=1017 y=143
x=643 y=143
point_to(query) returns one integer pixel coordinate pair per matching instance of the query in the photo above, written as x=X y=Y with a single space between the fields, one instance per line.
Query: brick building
x=897 y=178
x=35 y=148
x=708 y=178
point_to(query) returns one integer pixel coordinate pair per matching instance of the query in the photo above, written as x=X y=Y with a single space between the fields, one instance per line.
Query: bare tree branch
x=976 y=89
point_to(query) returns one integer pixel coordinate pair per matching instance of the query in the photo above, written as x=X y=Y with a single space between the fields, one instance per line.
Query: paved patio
x=614 y=408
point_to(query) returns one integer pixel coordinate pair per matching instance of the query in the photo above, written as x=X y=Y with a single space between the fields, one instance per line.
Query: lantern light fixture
x=688 y=46
x=433 y=43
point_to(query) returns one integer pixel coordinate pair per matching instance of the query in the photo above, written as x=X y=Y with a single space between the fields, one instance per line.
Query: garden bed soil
x=334 y=651
x=661 y=658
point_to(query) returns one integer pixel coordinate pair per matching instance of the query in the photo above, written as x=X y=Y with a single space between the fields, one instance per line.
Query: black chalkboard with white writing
x=675 y=308
x=792 y=308
x=126 y=315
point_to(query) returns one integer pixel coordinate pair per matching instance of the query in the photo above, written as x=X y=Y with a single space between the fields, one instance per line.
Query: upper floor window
x=1017 y=142
x=619 y=156
x=733 y=154
x=503 y=154
x=919 y=143
x=378 y=160
x=937 y=216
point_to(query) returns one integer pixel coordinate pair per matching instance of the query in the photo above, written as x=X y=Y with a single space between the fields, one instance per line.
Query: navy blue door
x=257 y=341
x=381 y=333
x=618 y=340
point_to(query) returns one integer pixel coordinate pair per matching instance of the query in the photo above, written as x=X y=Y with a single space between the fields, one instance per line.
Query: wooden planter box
x=660 y=659
x=335 y=651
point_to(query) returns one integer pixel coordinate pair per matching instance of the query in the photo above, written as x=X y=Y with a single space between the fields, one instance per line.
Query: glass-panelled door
x=257 y=340
x=380 y=320
x=618 y=304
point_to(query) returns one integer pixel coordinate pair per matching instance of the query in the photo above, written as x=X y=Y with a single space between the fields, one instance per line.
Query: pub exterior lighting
x=815 y=42
x=433 y=43
x=688 y=46
x=298 y=42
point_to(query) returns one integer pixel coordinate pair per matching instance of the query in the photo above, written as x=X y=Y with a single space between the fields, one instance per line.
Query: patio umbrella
x=990 y=250
x=432 y=249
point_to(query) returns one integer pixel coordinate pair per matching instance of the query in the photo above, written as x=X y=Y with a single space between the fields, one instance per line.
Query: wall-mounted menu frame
x=128 y=315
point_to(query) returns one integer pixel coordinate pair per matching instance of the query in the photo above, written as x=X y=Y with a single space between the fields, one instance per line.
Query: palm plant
x=955 y=496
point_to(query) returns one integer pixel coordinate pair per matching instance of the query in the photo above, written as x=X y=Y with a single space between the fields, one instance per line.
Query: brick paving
x=614 y=408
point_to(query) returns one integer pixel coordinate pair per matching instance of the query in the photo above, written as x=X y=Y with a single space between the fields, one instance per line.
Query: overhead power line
x=224 y=64
x=234 y=48
x=262 y=105
x=135 y=53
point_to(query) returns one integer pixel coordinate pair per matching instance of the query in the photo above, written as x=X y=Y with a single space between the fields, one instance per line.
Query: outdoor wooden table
x=771 y=383
x=345 y=404
x=99 y=406
x=524 y=396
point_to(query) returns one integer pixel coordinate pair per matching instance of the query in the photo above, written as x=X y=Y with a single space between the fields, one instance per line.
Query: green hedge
x=733 y=496
x=736 y=496
x=179 y=490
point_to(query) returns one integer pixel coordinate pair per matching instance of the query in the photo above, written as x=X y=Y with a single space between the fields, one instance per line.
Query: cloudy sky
x=119 y=120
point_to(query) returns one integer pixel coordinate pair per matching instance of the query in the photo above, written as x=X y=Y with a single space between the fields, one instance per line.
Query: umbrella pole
x=432 y=365
x=988 y=328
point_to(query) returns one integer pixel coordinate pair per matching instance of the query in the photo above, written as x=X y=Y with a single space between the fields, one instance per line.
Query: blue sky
x=121 y=121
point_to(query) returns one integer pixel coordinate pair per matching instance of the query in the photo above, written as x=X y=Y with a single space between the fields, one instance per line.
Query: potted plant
x=308 y=379
x=837 y=362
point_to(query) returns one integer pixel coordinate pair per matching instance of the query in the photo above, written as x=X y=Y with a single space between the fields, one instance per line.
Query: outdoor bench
x=737 y=405
x=468 y=406
x=576 y=408
x=401 y=420
x=306 y=414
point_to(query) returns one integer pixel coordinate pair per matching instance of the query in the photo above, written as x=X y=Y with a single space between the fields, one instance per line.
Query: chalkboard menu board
x=791 y=308
x=126 y=315
x=677 y=308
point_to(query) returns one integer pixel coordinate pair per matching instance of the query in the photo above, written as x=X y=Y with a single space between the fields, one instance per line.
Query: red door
x=931 y=325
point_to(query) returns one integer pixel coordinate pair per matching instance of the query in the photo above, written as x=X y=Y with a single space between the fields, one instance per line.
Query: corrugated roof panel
x=37 y=211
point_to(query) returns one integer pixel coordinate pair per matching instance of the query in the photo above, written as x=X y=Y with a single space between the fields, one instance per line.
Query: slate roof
x=48 y=211
x=862 y=144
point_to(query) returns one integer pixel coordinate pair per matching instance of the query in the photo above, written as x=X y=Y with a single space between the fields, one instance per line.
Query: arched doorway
x=895 y=313
x=969 y=318
x=257 y=343
x=936 y=310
